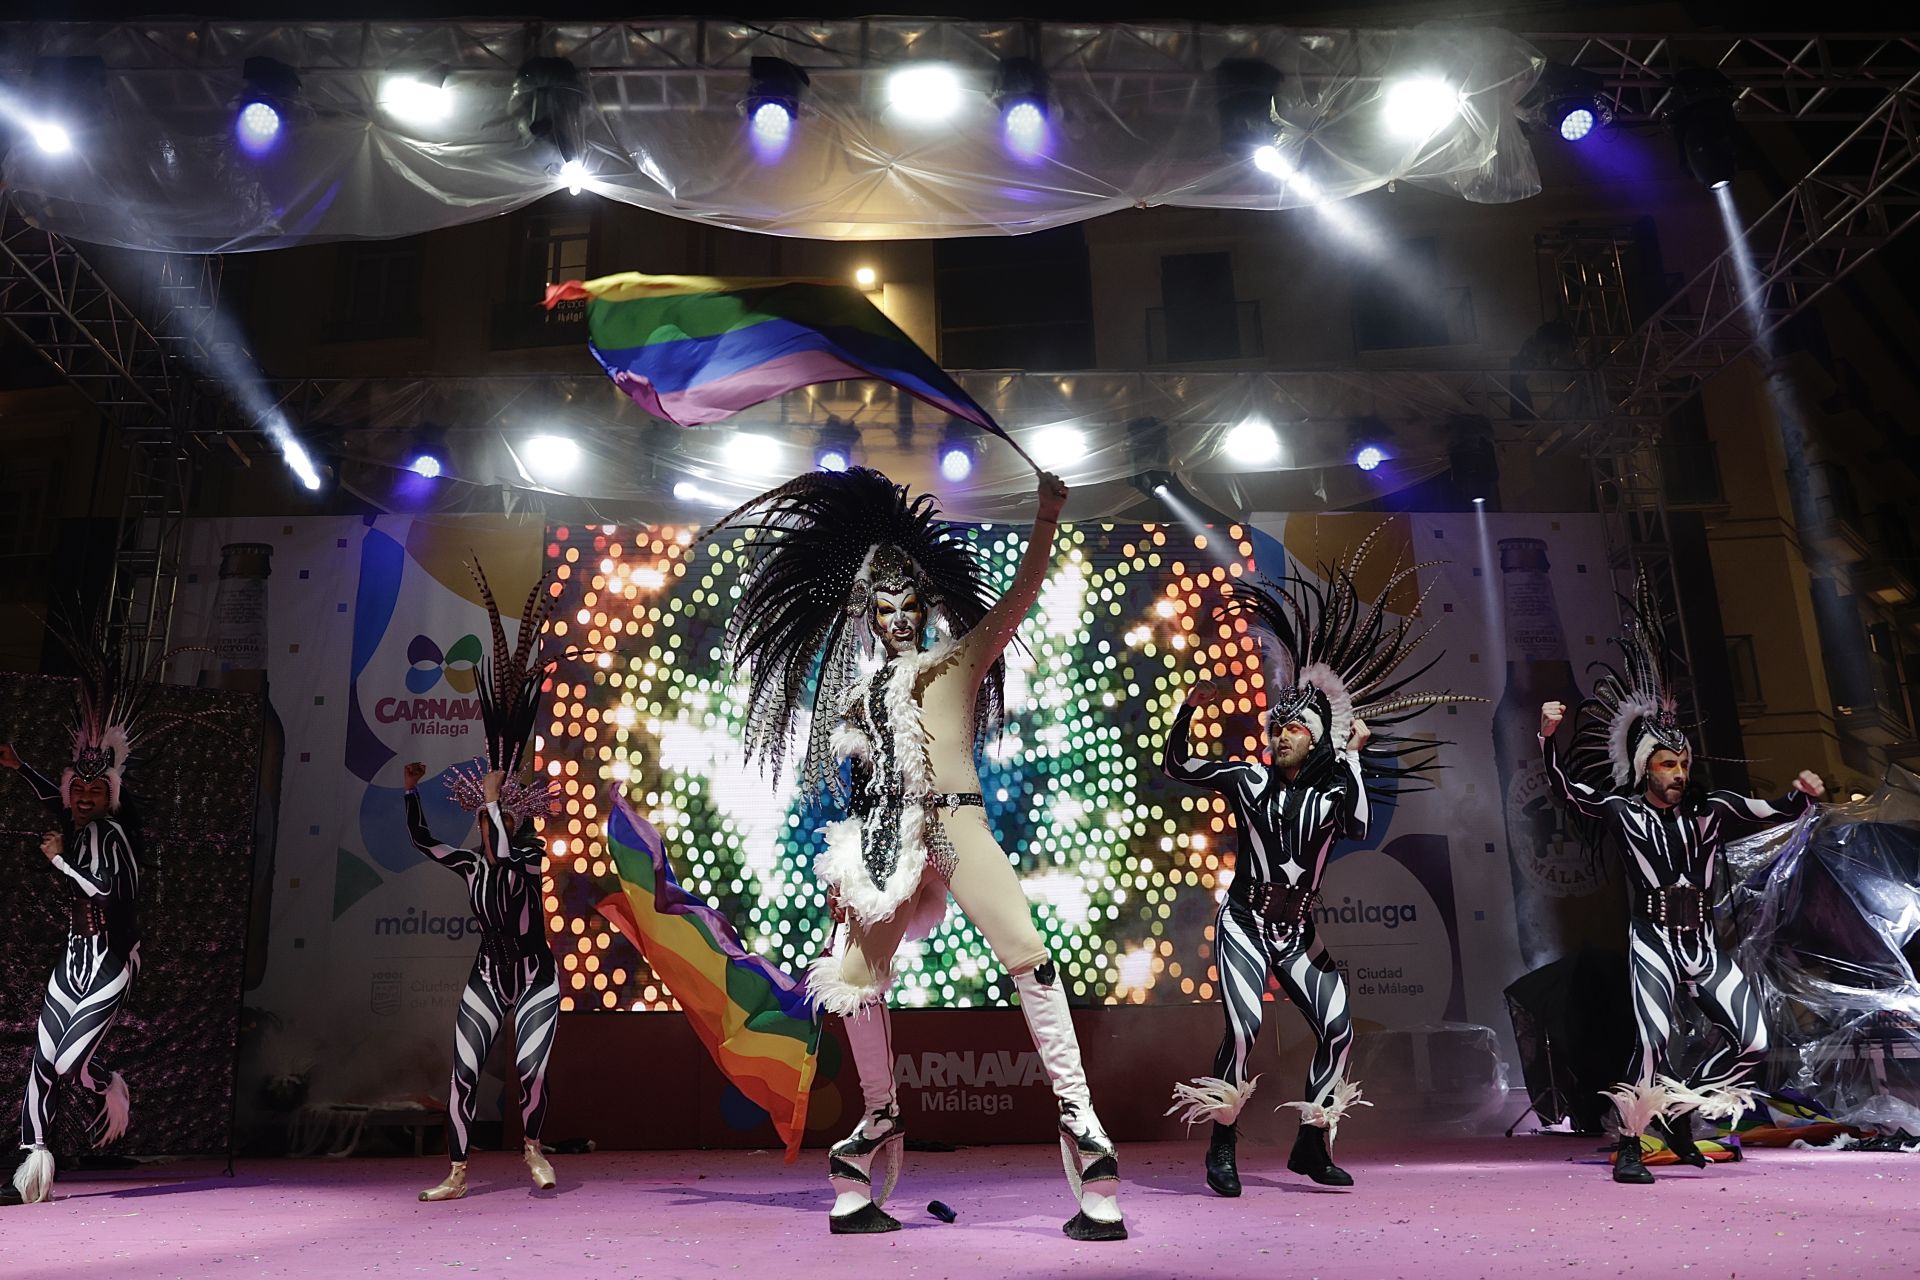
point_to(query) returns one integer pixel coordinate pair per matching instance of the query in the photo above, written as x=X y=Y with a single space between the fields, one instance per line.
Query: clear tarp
x=1112 y=436
x=1828 y=913
x=1133 y=118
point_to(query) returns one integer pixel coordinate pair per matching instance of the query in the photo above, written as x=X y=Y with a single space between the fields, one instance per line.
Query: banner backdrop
x=374 y=635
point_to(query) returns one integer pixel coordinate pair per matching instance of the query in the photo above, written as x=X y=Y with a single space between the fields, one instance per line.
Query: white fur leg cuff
x=1638 y=1105
x=1722 y=1102
x=1343 y=1097
x=1211 y=1099
x=836 y=995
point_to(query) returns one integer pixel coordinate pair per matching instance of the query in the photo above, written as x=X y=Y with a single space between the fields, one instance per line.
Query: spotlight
x=295 y=456
x=1254 y=442
x=426 y=466
x=957 y=452
x=1472 y=458
x=1243 y=97
x=838 y=440
x=1369 y=457
x=550 y=101
x=1570 y=101
x=552 y=458
x=1419 y=106
x=51 y=138
x=1020 y=93
x=693 y=491
x=774 y=87
x=924 y=94
x=1059 y=446
x=417 y=97
x=272 y=87
x=1479 y=502
x=1368 y=437
x=866 y=277
x=67 y=95
x=1701 y=118
x=749 y=454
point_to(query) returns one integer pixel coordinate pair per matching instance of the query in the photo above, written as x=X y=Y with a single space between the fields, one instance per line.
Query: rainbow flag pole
x=754 y=1019
x=696 y=349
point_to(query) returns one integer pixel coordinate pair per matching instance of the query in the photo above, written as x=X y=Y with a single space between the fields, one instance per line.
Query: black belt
x=1675 y=906
x=1280 y=903
x=931 y=800
x=88 y=918
x=504 y=949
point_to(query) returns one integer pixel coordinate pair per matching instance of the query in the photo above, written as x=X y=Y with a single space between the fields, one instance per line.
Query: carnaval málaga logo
x=428 y=668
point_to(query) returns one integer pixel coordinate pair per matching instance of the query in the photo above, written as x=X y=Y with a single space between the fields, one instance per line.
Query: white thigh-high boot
x=1093 y=1168
x=863 y=1166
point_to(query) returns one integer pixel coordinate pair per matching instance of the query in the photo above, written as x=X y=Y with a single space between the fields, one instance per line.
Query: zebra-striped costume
x=513 y=972
x=92 y=977
x=1670 y=856
x=1266 y=924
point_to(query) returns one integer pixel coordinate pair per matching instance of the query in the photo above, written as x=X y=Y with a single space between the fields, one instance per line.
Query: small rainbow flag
x=695 y=349
x=755 y=1020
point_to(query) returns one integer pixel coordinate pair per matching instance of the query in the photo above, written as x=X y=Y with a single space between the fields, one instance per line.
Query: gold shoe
x=453 y=1188
x=537 y=1165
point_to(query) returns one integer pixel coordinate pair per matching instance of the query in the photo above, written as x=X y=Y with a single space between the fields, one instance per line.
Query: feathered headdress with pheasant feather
x=510 y=688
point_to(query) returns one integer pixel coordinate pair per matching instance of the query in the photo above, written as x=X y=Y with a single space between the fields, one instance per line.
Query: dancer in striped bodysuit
x=513 y=971
x=1334 y=651
x=1632 y=774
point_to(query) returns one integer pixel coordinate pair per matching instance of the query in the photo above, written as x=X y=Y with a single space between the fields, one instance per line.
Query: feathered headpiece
x=510 y=680
x=817 y=549
x=1338 y=661
x=466 y=784
x=1632 y=711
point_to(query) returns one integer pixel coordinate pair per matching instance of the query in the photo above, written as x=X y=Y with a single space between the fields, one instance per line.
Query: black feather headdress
x=1339 y=660
x=509 y=690
x=1632 y=710
x=815 y=550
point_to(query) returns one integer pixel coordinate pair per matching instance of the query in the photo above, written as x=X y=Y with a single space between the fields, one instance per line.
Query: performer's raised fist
x=1551 y=714
x=1204 y=694
x=1053 y=495
x=1360 y=736
x=9 y=758
x=490 y=785
x=413 y=773
x=1809 y=782
x=52 y=845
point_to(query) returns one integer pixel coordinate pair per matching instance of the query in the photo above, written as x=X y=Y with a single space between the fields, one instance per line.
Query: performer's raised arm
x=986 y=641
x=1750 y=813
x=45 y=790
x=1350 y=787
x=417 y=820
x=1578 y=796
x=1196 y=771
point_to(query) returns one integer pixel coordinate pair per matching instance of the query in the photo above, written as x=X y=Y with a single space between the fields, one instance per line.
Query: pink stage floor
x=1440 y=1210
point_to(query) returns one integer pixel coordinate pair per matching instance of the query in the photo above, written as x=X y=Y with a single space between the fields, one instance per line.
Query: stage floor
x=1430 y=1209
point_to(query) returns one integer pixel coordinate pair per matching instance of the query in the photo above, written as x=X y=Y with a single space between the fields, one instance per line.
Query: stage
x=1433 y=1208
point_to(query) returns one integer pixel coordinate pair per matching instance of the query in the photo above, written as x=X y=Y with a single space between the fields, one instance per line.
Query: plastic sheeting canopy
x=1125 y=116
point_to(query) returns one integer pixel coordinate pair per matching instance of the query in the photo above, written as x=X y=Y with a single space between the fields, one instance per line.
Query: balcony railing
x=517 y=324
x=1222 y=338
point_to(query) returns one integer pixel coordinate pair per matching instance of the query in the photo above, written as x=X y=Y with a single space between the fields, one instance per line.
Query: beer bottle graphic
x=1564 y=897
x=239 y=662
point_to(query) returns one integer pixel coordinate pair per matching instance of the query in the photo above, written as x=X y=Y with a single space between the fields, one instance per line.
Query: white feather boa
x=841 y=866
x=1722 y=1102
x=1343 y=1097
x=1638 y=1105
x=1209 y=1098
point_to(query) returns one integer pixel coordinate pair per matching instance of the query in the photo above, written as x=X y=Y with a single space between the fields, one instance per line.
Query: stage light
x=924 y=94
x=749 y=454
x=956 y=463
x=51 y=138
x=693 y=491
x=1571 y=102
x=550 y=102
x=295 y=456
x=1701 y=118
x=832 y=458
x=573 y=173
x=417 y=97
x=426 y=466
x=1369 y=457
x=1243 y=90
x=772 y=104
x=837 y=448
x=552 y=458
x=866 y=277
x=1020 y=92
x=1059 y=446
x=1419 y=106
x=1479 y=502
x=272 y=87
x=1254 y=442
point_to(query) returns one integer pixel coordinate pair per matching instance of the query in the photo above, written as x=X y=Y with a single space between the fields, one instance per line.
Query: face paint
x=1291 y=743
x=899 y=620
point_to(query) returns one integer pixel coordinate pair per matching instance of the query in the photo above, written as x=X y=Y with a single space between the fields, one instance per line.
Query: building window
x=1743 y=672
x=1401 y=306
x=1886 y=671
x=1199 y=318
x=1015 y=302
x=379 y=291
x=1689 y=464
x=555 y=247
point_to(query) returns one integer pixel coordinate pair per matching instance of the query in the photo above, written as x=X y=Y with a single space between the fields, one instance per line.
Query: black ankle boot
x=1222 y=1173
x=1678 y=1135
x=1310 y=1156
x=1626 y=1161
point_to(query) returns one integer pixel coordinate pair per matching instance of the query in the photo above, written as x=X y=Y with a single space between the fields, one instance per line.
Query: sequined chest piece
x=887 y=793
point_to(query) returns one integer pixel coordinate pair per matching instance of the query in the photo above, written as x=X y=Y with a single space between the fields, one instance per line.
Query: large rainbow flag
x=695 y=349
x=755 y=1020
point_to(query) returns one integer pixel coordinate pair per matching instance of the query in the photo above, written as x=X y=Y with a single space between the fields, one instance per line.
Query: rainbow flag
x=695 y=349
x=755 y=1020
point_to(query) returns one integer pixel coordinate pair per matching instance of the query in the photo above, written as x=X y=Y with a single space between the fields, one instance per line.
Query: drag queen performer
x=1333 y=651
x=1630 y=773
x=839 y=563
x=97 y=866
x=513 y=972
